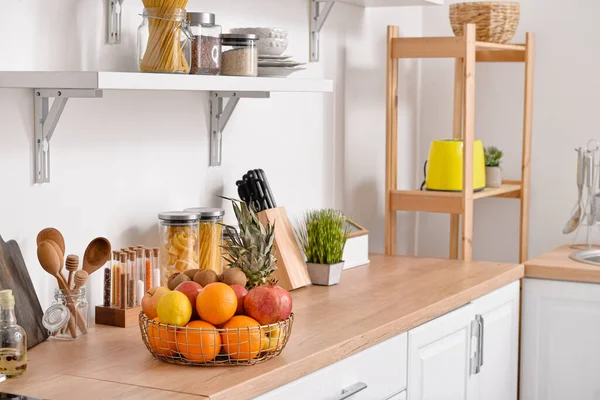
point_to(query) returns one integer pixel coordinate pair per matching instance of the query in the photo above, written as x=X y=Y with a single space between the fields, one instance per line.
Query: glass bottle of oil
x=13 y=339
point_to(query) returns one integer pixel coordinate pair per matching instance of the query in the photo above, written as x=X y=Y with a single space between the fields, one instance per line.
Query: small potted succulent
x=493 y=172
x=322 y=235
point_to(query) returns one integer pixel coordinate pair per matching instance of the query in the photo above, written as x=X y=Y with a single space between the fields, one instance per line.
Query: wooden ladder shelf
x=467 y=51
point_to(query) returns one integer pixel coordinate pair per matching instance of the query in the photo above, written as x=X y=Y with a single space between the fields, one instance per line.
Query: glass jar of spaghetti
x=162 y=40
x=211 y=237
x=179 y=244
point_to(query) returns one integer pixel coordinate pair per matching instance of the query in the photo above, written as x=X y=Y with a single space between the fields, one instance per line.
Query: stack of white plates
x=272 y=44
x=278 y=66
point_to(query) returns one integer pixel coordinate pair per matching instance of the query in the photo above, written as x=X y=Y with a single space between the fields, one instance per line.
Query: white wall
x=118 y=161
x=566 y=99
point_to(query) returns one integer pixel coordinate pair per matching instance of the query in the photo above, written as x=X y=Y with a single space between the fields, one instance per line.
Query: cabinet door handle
x=480 y=321
x=352 y=390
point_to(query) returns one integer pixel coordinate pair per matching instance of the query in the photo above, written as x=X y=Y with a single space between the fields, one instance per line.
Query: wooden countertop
x=371 y=304
x=557 y=265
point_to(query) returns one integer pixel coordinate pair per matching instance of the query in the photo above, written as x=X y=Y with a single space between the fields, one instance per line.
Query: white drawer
x=381 y=367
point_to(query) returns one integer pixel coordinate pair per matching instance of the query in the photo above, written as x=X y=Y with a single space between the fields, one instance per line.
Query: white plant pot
x=325 y=274
x=493 y=176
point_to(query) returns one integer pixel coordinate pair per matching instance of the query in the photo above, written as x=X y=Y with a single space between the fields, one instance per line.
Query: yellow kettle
x=444 y=168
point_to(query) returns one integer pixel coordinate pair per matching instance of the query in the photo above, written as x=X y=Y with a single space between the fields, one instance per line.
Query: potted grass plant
x=322 y=235
x=493 y=172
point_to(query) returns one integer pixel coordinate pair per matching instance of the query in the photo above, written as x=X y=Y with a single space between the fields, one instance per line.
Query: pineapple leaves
x=252 y=250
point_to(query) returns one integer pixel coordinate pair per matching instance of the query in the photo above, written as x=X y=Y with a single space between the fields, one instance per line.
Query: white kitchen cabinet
x=443 y=355
x=560 y=342
x=499 y=313
x=444 y=359
x=438 y=357
x=381 y=368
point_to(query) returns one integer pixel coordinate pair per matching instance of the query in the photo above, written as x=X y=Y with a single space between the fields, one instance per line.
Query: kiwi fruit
x=190 y=273
x=176 y=279
x=205 y=277
x=234 y=276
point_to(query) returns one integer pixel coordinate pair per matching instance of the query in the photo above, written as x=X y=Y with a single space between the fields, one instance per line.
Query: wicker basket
x=196 y=346
x=496 y=22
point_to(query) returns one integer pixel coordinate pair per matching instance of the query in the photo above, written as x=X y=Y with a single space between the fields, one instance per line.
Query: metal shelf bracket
x=46 y=119
x=219 y=117
x=113 y=21
x=319 y=10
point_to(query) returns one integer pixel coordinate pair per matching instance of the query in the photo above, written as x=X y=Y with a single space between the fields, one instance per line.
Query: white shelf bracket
x=113 y=21
x=319 y=10
x=219 y=117
x=46 y=119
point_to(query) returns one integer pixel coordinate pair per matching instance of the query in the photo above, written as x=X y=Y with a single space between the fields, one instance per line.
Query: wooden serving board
x=291 y=269
x=14 y=276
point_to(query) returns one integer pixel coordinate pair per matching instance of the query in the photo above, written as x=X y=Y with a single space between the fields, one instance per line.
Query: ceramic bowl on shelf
x=272 y=47
x=263 y=33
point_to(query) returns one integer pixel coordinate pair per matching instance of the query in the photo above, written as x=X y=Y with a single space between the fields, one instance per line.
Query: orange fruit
x=202 y=343
x=216 y=303
x=244 y=343
x=162 y=338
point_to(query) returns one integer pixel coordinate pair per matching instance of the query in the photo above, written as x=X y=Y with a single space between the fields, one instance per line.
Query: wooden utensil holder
x=119 y=317
x=291 y=269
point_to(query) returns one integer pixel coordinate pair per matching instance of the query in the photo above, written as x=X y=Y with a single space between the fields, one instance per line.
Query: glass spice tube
x=107 y=287
x=139 y=277
x=113 y=268
x=123 y=281
x=147 y=269
x=155 y=267
x=131 y=280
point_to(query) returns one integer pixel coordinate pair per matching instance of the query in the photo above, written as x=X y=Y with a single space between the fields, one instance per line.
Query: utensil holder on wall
x=291 y=269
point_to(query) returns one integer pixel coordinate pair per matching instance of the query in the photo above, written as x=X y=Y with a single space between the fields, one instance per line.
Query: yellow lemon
x=174 y=308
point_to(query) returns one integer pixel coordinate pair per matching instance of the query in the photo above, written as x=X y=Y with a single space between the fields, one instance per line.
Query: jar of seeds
x=240 y=55
x=205 y=43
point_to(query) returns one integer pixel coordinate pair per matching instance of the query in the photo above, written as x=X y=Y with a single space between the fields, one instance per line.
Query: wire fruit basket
x=201 y=344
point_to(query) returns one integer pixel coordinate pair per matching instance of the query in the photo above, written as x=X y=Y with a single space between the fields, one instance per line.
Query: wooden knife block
x=291 y=269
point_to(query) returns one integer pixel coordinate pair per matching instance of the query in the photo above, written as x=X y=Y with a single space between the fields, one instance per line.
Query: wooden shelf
x=454 y=47
x=100 y=80
x=447 y=202
x=387 y=3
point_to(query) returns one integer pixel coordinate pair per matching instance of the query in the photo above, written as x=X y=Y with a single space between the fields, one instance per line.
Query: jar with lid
x=240 y=54
x=179 y=245
x=162 y=41
x=205 y=43
x=13 y=339
x=211 y=237
x=67 y=317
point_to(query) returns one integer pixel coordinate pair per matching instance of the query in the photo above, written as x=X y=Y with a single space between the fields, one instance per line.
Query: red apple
x=268 y=304
x=240 y=293
x=191 y=290
x=150 y=300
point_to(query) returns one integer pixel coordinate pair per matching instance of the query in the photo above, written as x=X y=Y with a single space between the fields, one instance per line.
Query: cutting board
x=14 y=276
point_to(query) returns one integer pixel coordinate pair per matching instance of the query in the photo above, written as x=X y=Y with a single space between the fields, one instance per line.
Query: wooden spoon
x=51 y=263
x=96 y=255
x=61 y=256
x=71 y=264
x=81 y=278
x=54 y=235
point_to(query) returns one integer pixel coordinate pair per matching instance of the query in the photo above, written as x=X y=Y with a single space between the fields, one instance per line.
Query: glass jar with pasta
x=211 y=237
x=179 y=244
x=162 y=39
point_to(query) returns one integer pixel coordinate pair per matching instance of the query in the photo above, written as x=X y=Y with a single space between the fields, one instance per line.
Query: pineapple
x=252 y=251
